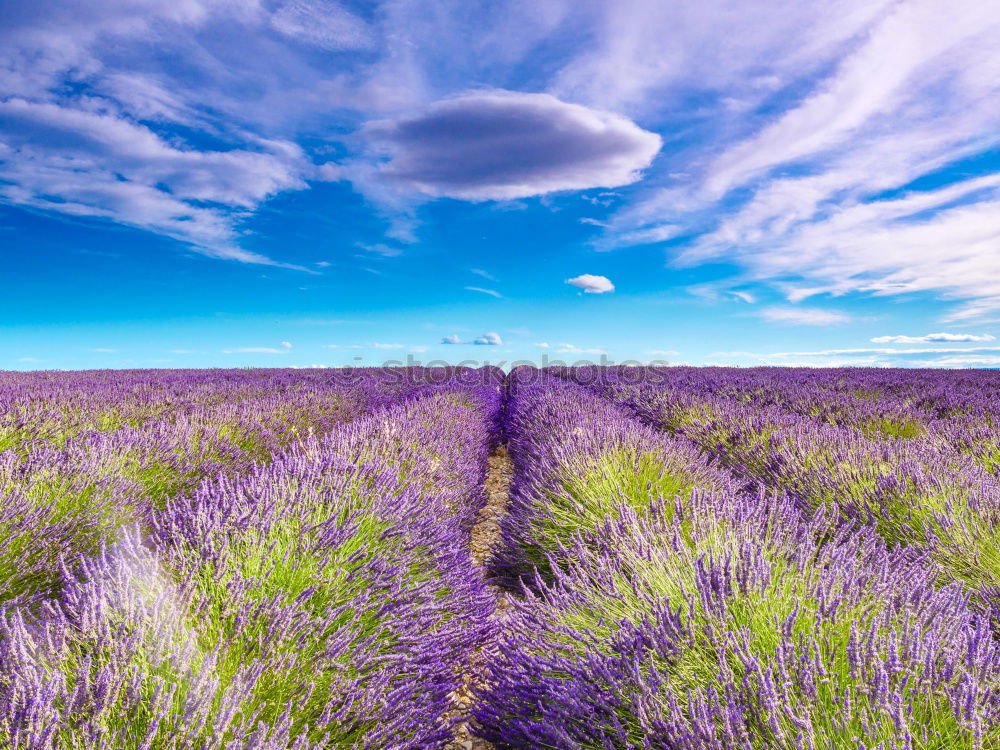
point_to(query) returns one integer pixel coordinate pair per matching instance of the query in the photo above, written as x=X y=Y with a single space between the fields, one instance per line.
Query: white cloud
x=886 y=351
x=543 y=344
x=566 y=348
x=646 y=54
x=379 y=345
x=96 y=164
x=491 y=292
x=919 y=37
x=979 y=361
x=646 y=236
x=489 y=339
x=182 y=351
x=592 y=284
x=286 y=344
x=452 y=339
x=921 y=241
x=28 y=359
x=931 y=338
x=806 y=316
x=380 y=248
x=481 y=272
x=494 y=145
x=814 y=199
x=744 y=297
x=323 y=24
x=255 y=350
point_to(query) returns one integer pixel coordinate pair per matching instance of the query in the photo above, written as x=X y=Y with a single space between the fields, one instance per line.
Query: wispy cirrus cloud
x=323 y=24
x=138 y=141
x=566 y=348
x=62 y=158
x=380 y=248
x=805 y=316
x=491 y=292
x=931 y=338
x=858 y=185
x=255 y=350
x=950 y=357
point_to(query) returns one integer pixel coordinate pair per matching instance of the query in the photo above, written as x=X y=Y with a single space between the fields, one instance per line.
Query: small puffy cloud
x=491 y=292
x=286 y=344
x=744 y=297
x=543 y=344
x=932 y=338
x=496 y=145
x=805 y=316
x=592 y=284
x=324 y=263
x=452 y=339
x=489 y=339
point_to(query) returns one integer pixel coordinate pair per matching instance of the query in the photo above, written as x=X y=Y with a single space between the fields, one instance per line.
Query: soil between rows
x=485 y=537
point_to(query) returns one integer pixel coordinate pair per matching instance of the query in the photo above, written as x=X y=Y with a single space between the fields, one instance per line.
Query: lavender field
x=677 y=558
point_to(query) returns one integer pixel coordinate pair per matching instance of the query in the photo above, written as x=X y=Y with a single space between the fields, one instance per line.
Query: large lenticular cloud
x=496 y=145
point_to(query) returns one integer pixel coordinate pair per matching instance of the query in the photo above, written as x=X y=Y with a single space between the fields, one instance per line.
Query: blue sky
x=307 y=182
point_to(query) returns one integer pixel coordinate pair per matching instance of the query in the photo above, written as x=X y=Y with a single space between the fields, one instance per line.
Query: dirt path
x=485 y=535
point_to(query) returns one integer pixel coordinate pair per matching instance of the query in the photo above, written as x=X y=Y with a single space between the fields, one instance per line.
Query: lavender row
x=71 y=499
x=715 y=618
x=54 y=406
x=577 y=458
x=915 y=492
x=960 y=410
x=325 y=599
